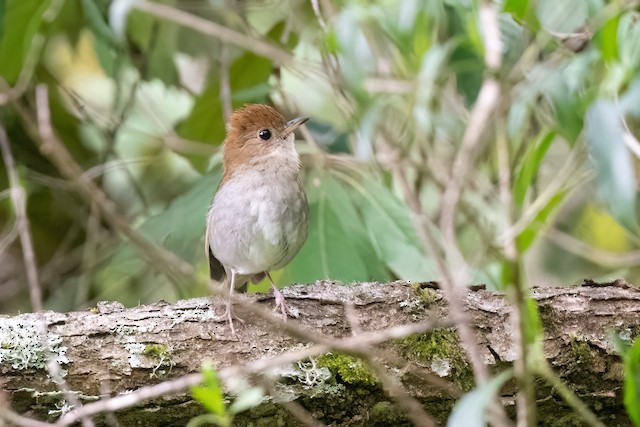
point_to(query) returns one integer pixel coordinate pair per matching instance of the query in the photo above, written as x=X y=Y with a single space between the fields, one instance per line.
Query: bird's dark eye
x=264 y=134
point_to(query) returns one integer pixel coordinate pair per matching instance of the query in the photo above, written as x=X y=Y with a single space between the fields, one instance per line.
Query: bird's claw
x=229 y=317
x=281 y=305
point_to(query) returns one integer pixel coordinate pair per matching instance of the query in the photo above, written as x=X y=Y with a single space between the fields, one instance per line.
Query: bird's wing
x=216 y=270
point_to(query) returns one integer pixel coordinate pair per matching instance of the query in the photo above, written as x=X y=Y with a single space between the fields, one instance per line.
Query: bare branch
x=593 y=254
x=19 y=199
x=131 y=399
x=569 y=397
x=227 y=35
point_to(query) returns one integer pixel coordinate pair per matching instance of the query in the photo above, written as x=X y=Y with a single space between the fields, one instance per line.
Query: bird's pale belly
x=261 y=229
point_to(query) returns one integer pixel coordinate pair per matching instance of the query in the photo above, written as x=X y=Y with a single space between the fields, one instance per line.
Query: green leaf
x=93 y=16
x=528 y=235
x=207 y=420
x=609 y=40
x=533 y=325
x=522 y=11
x=337 y=247
x=391 y=232
x=139 y=27
x=247 y=399
x=356 y=52
x=433 y=65
x=181 y=226
x=632 y=382
x=518 y=8
x=612 y=161
x=206 y=121
x=209 y=394
x=629 y=42
x=161 y=56
x=562 y=17
x=570 y=90
x=343 y=202
x=21 y=21
x=3 y=9
x=529 y=166
x=470 y=410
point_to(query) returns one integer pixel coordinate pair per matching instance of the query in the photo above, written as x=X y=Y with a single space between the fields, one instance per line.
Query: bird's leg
x=228 y=315
x=280 y=301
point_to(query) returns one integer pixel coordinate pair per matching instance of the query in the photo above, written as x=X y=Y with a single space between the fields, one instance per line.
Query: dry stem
x=19 y=200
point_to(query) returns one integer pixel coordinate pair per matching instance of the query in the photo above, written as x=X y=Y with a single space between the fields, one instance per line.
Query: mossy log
x=112 y=349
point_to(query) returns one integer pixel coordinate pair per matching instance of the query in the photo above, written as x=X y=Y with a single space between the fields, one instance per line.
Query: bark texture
x=112 y=349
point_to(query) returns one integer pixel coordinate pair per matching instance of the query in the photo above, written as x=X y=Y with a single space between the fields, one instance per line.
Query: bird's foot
x=281 y=305
x=229 y=317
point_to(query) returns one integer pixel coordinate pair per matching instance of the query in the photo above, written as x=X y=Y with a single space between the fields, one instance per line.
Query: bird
x=258 y=220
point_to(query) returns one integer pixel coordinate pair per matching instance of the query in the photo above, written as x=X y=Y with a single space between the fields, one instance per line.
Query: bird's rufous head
x=259 y=134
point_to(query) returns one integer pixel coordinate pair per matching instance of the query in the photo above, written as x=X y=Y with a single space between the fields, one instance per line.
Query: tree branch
x=150 y=355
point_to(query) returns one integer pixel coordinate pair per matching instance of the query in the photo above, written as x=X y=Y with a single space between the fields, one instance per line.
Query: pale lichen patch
x=24 y=345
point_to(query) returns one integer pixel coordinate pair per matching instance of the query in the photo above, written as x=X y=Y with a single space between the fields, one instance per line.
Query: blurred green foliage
x=139 y=92
x=139 y=102
x=631 y=357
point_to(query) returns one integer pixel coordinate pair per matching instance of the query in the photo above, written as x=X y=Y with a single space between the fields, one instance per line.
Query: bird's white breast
x=258 y=221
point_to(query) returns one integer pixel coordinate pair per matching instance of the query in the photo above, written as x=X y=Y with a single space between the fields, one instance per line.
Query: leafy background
x=139 y=92
x=140 y=103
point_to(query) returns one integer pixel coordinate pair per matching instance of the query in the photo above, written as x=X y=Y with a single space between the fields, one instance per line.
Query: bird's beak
x=294 y=124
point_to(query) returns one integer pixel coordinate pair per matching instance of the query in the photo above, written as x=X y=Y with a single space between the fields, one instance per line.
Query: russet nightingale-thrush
x=258 y=219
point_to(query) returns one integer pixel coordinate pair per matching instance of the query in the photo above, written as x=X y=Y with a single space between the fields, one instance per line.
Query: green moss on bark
x=347 y=369
x=442 y=351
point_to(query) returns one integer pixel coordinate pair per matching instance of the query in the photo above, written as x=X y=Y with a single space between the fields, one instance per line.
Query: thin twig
x=351 y=314
x=19 y=420
x=130 y=399
x=89 y=251
x=574 y=401
x=19 y=200
x=31 y=60
x=394 y=388
x=506 y=196
x=453 y=281
x=105 y=390
x=8 y=239
x=227 y=35
x=484 y=107
x=591 y=253
x=316 y=11
x=629 y=139
x=451 y=290
x=560 y=182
